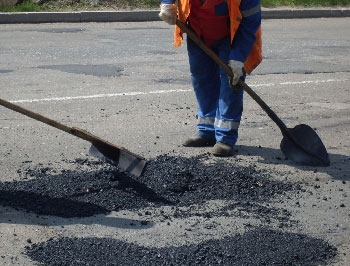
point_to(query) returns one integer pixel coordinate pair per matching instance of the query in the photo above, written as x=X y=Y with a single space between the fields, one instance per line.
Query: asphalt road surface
x=127 y=84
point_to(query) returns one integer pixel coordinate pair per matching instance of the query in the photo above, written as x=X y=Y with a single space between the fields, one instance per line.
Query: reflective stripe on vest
x=252 y=11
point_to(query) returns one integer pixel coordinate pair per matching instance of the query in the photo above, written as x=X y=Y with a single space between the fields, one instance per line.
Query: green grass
x=74 y=5
x=26 y=6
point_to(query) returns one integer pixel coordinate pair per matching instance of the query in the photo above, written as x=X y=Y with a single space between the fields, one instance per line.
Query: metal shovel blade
x=124 y=160
x=304 y=146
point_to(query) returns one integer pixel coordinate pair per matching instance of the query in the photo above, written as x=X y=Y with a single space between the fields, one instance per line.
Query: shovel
x=301 y=144
x=119 y=156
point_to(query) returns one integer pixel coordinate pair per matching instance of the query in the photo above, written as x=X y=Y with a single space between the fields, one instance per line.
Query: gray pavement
x=152 y=15
x=124 y=82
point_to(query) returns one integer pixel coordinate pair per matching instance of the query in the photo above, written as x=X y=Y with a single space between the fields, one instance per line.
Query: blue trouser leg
x=206 y=84
x=219 y=107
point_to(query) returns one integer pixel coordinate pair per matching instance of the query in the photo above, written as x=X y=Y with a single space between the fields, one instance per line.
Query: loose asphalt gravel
x=96 y=188
x=260 y=246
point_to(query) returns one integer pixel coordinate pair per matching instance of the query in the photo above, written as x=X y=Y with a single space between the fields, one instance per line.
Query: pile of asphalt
x=256 y=247
x=93 y=187
x=192 y=180
x=90 y=187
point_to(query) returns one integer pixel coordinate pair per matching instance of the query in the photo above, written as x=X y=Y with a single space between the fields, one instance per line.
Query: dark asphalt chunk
x=76 y=193
x=95 y=187
x=48 y=205
x=260 y=246
x=191 y=180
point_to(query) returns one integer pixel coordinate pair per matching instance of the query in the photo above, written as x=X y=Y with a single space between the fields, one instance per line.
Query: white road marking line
x=299 y=82
x=311 y=81
x=134 y=93
x=107 y=95
x=263 y=85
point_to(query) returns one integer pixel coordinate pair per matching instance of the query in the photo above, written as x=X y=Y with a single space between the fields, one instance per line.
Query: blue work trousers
x=219 y=106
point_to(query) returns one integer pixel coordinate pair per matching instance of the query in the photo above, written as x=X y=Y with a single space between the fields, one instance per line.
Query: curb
x=83 y=16
x=150 y=15
x=305 y=13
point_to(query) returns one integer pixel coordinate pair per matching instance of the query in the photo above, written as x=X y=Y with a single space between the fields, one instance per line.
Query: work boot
x=221 y=149
x=198 y=141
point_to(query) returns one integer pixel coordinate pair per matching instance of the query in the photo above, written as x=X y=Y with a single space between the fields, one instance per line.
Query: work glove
x=237 y=70
x=168 y=13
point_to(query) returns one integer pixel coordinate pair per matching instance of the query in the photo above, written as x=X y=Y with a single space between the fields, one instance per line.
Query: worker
x=232 y=29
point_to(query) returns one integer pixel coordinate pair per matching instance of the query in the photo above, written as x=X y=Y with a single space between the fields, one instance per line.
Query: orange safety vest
x=255 y=56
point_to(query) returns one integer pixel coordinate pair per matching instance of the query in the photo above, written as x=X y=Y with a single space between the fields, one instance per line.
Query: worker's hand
x=237 y=70
x=168 y=13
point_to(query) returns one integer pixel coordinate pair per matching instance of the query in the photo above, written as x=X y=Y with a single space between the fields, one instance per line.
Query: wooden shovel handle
x=80 y=133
